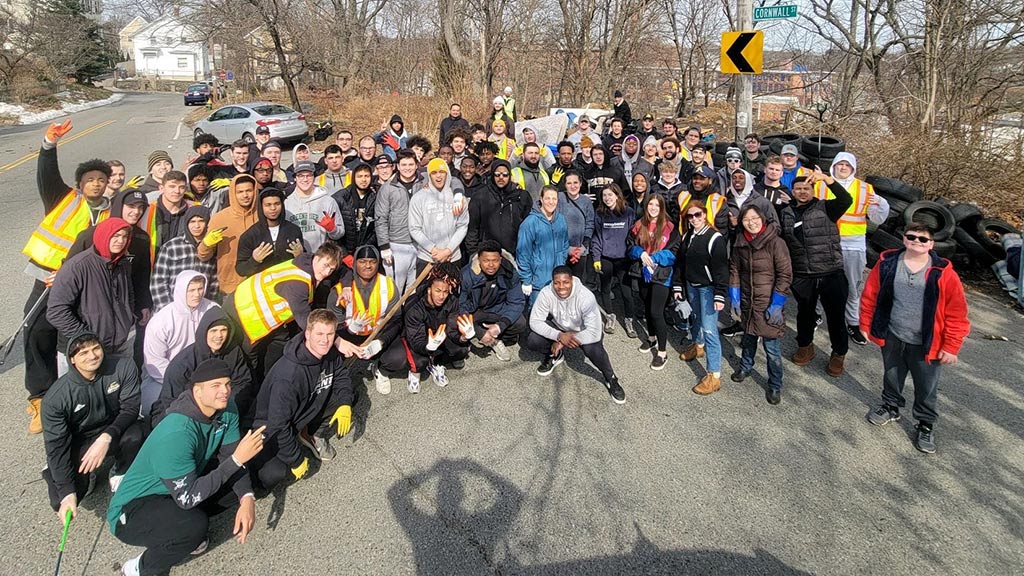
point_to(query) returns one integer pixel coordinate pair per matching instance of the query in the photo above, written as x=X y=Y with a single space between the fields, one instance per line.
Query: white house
x=171 y=50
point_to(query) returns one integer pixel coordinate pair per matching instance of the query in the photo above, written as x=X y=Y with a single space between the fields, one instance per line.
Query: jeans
x=774 y=353
x=900 y=359
x=704 y=327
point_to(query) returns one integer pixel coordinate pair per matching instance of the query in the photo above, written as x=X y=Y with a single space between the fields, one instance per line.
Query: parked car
x=197 y=94
x=239 y=121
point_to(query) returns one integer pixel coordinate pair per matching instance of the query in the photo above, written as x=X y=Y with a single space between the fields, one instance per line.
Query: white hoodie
x=876 y=213
x=306 y=211
x=576 y=313
x=174 y=327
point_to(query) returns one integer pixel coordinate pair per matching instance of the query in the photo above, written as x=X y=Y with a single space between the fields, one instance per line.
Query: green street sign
x=775 y=12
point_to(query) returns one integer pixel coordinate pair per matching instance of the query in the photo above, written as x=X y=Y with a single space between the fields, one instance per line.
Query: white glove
x=434 y=340
x=387 y=255
x=371 y=349
x=527 y=290
x=466 y=328
x=358 y=323
x=683 y=308
x=459 y=204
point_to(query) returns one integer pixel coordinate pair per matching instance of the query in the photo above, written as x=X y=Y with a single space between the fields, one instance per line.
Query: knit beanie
x=211 y=369
x=156 y=156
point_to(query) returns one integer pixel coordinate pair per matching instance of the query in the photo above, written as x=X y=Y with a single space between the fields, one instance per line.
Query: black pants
x=582 y=269
x=511 y=333
x=124 y=453
x=270 y=470
x=594 y=352
x=832 y=289
x=169 y=533
x=399 y=359
x=615 y=271
x=655 y=296
x=900 y=359
x=40 y=339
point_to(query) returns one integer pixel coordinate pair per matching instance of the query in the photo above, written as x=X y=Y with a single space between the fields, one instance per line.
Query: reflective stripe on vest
x=520 y=179
x=321 y=180
x=505 y=146
x=51 y=240
x=713 y=206
x=379 y=298
x=151 y=228
x=854 y=221
x=260 y=309
x=683 y=199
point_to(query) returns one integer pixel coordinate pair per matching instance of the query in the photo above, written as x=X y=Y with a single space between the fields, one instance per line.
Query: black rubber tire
x=938 y=218
x=965 y=213
x=825 y=162
x=896 y=209
x=830 y=146
x=978 y=254
x=885 y=240
x=765 y=148
x=893 y=188
x=775 y=147
x=873 y=256
x=723 y=147
x=946 y=249
x=989 y=233
x=785 y=137
x=718 y=160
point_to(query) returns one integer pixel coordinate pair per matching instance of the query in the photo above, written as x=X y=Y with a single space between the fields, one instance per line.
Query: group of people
x=201 y=327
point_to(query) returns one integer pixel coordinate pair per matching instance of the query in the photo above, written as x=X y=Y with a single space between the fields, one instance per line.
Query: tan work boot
x=835 y=365
x=692 y=353
x=708 y=384
x=804 y=355
x=35 y=425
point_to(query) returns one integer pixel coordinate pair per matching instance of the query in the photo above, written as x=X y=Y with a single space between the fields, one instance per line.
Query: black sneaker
x=773 y=396
x=548 y=365
x=615 y=391
x=856 y=336
x=658 y=362
x=648 y=345
x=458 y=364
x=734 y=330
x=739 y=375
x=817 y=320
x=883 y=415
x=925 y=441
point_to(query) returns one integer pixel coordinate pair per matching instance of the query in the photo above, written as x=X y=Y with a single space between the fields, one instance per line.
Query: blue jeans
x=704 y=327
x=774 y=353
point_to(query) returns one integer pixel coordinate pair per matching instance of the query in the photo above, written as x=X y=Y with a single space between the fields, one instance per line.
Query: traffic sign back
x=742 y=52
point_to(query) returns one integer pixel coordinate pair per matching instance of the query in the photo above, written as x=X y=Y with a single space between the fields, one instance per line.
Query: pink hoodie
x=174 y=327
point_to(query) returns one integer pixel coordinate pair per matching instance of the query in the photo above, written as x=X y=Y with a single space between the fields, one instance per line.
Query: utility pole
x=744 y=82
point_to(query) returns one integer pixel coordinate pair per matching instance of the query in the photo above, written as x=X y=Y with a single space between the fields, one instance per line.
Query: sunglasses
x=916 y=238
x=694 y=215
x=733 y=160
x=501 y=174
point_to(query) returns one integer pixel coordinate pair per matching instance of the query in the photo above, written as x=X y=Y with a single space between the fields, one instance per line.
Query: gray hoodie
x=577 y=313
x=392 y=212
x=431 y=222
x=306 y=211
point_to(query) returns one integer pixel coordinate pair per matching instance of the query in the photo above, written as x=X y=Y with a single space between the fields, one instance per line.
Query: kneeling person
x=566 y=315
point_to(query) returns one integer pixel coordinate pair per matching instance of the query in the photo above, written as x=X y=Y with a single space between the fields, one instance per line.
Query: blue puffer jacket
x=543 y=244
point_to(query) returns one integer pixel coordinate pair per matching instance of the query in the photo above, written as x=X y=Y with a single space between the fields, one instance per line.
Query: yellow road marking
x=61 y=142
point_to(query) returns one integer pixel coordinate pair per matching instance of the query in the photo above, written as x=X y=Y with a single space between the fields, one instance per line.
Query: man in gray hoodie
x=392 y=213
x=313 y=210
x=438 y=221
x=566 y=316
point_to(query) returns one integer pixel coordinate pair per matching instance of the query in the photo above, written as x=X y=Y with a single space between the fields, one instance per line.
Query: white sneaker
x=199 y=549
x=131 y=567
x=501 y=351
x=115 y=482
x=437 y=373
x=414 y=383
x=383 y=382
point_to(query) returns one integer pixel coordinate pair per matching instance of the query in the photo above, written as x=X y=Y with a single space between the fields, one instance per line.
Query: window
x=272 y=110
x=222 y=114
x=183 y=63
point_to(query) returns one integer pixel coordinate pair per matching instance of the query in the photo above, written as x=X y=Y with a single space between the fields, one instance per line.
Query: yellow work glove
x=300 y=470
x=213 y=237
x=133 y=183
x=342 y=419
x=597 y=266
x=219 y=183
x=556 y=176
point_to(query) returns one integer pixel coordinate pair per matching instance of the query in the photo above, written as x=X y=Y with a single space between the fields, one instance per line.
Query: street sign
x=230 y=75
x=775 y=12
x=742 y=52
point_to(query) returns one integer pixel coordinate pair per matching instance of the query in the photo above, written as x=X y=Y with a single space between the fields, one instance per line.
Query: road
x=504 y=472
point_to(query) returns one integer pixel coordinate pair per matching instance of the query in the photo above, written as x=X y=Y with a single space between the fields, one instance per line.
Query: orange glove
x=465 y=323
x=55 y=131
x=391 y=141
x=327 y=222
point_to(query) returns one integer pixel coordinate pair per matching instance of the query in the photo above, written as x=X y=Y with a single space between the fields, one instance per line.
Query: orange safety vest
x=52 y=239
x=260 y=309
x=150 y=219
x=855 y=220
x=382 y=294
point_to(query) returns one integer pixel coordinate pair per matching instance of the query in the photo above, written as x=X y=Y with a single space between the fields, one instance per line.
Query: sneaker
x=925 y=441
x=734 y=330
x=201 y=548
x=855 y=336
x=648 y=345
x=476 y=343
x=548 y=365
x=630 y=329
x=437 y=374
x=883 y=415
x=115 y=481
x=659 y=361
x=739 y=375
x=773 y=396
x=321 y=448
x=414 y=383
x=383 y=382
x=501 y=351
x=615 y=390
x=131 y=567
x=609 y=324
x=817 y=321
x=458 y=364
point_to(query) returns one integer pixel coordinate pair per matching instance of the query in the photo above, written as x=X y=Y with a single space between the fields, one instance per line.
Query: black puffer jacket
x=420 y=316
x=496 y=213
x=358 y=215
x=812 y=235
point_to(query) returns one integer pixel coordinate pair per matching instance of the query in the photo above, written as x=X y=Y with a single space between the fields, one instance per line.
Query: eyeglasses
x=501 y=174
x=753 y=220
x=916 y=238
x=694 y=215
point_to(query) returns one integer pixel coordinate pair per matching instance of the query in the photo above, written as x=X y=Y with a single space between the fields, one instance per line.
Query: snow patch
x=26 y=117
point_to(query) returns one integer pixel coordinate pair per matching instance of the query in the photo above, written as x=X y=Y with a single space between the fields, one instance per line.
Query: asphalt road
x=505 y=472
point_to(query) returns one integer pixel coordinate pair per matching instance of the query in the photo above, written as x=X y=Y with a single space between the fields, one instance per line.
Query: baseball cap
x=583 y=118
x=263 y=130
x=790 y=149
x=704 y=172
x=304 y=166
x=648 y=116
x=135 y=197
x=383 y=160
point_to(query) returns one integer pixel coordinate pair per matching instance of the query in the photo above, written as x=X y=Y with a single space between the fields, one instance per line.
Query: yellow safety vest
x=379 y=298
x=520 y=179
x=150 y=219
x=713 y=206
x=260 y=309
x=52 y=239
x=505 y=146
x=855 y=220
x=510 y=108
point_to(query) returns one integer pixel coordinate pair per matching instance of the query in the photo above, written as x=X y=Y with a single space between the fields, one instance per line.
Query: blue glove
x=774 y=312
x=734 y=301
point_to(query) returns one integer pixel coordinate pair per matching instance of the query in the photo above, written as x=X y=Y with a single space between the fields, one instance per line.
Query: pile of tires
x=961 y=231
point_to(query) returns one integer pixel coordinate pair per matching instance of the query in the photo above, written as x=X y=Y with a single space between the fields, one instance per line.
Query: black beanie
x=211 y=370
x=366 y=251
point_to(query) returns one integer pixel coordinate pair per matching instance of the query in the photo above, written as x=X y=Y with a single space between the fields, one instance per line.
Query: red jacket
x=944 y=323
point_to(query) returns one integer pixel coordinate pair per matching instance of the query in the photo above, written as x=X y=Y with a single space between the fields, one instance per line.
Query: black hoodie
x=178 y=376
x=258 y=233
x=496 y=213
x=76 y=410
x=420 y=316
x=299 y=389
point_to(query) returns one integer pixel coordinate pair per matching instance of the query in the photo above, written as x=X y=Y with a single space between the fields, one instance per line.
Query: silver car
x=240 y=121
